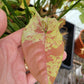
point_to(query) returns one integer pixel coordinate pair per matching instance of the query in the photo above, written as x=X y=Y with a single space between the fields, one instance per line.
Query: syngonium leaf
x=43 y=47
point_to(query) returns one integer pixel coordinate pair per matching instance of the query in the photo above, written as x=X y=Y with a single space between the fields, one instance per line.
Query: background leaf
x=82 y=17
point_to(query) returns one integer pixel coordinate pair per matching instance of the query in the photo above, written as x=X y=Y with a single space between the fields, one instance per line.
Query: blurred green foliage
x=18 y=13
x=80 y=7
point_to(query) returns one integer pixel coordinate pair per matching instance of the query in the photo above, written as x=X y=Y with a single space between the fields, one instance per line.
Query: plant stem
x=68 y=10
x=49 y=8
x=27 y=12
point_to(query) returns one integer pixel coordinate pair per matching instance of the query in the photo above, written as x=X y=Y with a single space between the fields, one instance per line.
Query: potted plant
x=17 y=11
x=79 y=45
x=19 y=15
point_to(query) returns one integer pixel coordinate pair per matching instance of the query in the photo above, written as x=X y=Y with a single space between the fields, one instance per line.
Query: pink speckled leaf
x=43 y=48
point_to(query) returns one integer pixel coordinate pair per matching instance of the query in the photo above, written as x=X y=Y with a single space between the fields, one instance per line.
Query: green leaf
x=78 y=5
x=71 y=3
x=54 y=2
x=15 y=26
x=1 y=4
x=27 y=12
x=13 y=3
x=37 y=5
x=82 y=17
x=19 y=13
x=43 y=2
x=81 y=10
x=12 y=26
x=68 y=10
x=20 y=23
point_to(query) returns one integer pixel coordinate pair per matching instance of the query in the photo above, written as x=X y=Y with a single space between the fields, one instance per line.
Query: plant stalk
x=68 y=10
x=27 y=12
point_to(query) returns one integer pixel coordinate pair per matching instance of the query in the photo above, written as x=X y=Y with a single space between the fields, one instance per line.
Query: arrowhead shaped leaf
x=43 y=48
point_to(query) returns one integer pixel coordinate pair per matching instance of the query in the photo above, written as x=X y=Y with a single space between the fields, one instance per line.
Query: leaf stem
x=27 y=13
x=68 y=10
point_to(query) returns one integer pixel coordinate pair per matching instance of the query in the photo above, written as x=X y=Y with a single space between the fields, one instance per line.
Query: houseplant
x=14 y=18
x=17 y=11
